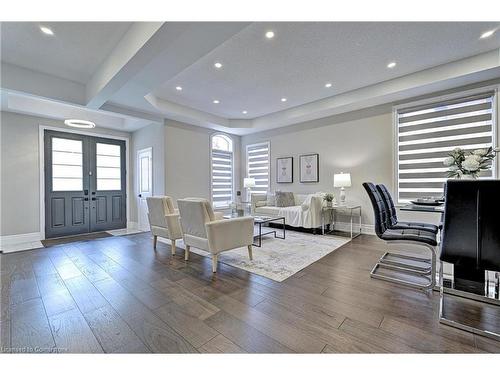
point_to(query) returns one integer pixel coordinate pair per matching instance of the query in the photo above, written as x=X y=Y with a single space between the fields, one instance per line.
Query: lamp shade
x=249 y=182
x=341 y=180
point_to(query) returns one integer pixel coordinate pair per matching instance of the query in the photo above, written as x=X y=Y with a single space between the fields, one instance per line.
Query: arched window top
x=222 y=142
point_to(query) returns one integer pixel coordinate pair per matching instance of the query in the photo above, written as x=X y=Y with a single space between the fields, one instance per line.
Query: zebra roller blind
x=222 y=178
x=258 y=166
x=427 y=134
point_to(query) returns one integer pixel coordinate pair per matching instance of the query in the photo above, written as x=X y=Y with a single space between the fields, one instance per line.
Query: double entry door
x=85 y=184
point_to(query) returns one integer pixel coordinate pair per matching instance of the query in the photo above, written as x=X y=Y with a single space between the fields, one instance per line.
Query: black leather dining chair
x=402 y=260
x=426 y=267
x=471 y=242
x=393 y=221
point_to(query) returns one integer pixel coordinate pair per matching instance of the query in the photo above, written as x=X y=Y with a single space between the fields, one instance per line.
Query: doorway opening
x=85 y=184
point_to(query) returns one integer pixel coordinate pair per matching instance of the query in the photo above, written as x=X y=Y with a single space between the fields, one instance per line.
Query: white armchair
x=164 y=220
x=206 y=230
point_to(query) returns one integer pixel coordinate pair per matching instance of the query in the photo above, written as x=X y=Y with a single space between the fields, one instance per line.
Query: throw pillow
x=284 y=199
x=271 y=199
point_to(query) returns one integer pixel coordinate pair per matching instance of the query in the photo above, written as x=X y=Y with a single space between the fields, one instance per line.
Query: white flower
x=497 y=149
x=457 y=150
x=453 y=168
x=470 y=164
x=481 y=152
x=479 y=158
x=449 y=161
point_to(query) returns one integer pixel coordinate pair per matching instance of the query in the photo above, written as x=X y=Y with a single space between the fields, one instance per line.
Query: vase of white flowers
x=468 y=164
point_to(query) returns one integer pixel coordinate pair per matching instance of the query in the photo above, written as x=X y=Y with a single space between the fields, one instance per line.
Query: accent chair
x=164 y=220
x=207 y=230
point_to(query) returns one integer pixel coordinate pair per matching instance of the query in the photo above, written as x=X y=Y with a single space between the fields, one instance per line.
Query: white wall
x=187 y=160
x=359 y=142
x=19 y=174
x=150 y=136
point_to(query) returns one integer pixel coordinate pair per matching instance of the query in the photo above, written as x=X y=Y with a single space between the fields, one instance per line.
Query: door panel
x=108 y=184
x=85 y=184
x=66 y=175
x=144 y=185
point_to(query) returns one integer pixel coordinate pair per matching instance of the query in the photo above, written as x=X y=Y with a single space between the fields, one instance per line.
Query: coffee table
x=263 y=221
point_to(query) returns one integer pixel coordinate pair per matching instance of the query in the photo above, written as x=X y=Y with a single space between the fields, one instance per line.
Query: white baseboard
x=20 y=242
x=132 y=225
x=365 y=228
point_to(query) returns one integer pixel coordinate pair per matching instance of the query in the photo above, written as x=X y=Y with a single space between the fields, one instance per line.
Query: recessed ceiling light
x=218 y=65
x=487 y=34
x=328 y=85
x=216 y=101
x=283 y=99
x=79 y=123
x=391 y=65
x=244 y=112
x=270 y=34
x=178 y=88
x=46 y=30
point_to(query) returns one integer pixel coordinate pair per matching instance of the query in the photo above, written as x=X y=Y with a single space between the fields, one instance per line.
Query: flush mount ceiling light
x=218 y=65
x=216 y=101
x=244 y=112
x=283 y=99
x=487 y=34
x=270 y=34
x=328 y=85
x=46 y=30
x=391 y=65
x=84 y=124
x=178 y=88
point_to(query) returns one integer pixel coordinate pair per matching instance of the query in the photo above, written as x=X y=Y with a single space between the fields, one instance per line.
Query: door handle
x=85 y=199
x=93 y=198
x=93 y=193
x=86 y=192
x=140 y=195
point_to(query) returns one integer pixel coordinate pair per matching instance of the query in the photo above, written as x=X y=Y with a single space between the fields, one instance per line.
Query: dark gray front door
x=84 y=184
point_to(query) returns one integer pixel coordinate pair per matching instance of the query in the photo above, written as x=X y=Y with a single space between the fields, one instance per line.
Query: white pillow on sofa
x=271 y=199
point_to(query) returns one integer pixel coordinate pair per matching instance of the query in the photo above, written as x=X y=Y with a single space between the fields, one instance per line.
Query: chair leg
x=172 y=246
x=250 y=252
x=155 y=240
x=214 y=262
x=186 y=252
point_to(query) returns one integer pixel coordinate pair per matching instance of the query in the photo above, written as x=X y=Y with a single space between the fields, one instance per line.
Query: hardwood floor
x=117 y=295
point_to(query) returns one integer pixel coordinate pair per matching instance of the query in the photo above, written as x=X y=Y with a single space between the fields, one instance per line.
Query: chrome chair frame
x=450 y=291
x=427 y=270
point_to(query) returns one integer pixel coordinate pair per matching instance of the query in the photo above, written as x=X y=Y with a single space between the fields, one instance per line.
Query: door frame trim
x=41 y=167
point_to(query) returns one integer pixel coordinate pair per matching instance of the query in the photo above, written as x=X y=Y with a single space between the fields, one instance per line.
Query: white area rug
x=278 y=259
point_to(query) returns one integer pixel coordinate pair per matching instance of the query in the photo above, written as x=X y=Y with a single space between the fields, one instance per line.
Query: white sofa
x=306 y=212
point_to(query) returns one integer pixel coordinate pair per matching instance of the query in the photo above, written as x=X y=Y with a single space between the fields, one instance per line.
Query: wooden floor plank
x=118 y=295
x=222 y=345
x=72 y=333
x=30 y=330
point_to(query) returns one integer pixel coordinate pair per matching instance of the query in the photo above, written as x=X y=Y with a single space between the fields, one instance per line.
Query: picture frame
x=284 y=170
x=309 y=168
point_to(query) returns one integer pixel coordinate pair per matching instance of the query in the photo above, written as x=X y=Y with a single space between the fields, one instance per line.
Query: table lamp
x=248 y=183
x=342 y=180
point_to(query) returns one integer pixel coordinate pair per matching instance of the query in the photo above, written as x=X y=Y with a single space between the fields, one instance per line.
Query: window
x=258 y=166
x=108 y=163
x=222 y=170
x=67 y=165
x=427 y=133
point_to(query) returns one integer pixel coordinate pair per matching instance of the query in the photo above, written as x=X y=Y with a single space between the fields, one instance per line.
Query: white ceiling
x=132 y=69
x=74 y=52
x=257 y=72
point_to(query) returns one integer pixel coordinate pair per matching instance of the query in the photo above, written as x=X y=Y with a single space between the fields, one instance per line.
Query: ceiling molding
x=129 y=55
x=444 y=77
